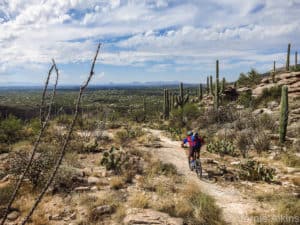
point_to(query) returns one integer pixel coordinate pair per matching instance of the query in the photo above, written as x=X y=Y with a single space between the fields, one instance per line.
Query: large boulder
x=149 y=216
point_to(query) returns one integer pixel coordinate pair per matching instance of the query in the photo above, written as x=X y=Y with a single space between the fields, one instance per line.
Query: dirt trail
x=235 y=206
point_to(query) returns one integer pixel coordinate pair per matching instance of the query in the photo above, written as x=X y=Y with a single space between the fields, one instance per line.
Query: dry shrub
x=40 y=168
x=117 y=183
x=120 y=213
x=139 y=200
x=225 y=114
x=205 y=209
x=166 y=205
x=156 y=167
x=261 y=141
x=65 y=180
x=244 y=141
x=112 y=199
x=183 y=208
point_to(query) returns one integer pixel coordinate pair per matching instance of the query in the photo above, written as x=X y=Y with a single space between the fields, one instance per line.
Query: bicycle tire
x=198 y=169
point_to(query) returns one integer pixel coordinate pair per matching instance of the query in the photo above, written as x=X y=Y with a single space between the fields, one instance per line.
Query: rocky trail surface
x=236 y=207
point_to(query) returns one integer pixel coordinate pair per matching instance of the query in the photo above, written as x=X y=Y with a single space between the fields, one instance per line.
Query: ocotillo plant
x=44 y=119
x=217 y=91
x=207 y=85
x=274 y=72
x=65 y=144
x=166 y=104
x=200 y=92
x=182 y=99
x=211 y=85
x=287 y=67
x=284 y=112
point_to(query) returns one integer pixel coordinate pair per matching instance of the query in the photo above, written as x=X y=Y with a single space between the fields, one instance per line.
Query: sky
x=144 y=40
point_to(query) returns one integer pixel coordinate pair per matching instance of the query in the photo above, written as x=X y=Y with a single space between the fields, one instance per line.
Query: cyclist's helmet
x=189 y=133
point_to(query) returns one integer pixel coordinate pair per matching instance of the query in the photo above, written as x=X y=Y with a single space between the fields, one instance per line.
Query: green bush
x=65 y=179
x=5 y=194
x=10 y=130
x=252 y=78
x=245 y=99
x=182 y=117
x=268 y=94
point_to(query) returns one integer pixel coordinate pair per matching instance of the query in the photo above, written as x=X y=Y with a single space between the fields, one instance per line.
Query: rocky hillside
x=292 y=80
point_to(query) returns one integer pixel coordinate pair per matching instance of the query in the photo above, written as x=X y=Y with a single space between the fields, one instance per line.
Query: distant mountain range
x=16 y=85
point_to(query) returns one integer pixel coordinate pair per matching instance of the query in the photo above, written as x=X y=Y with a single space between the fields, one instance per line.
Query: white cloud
x=158 y=35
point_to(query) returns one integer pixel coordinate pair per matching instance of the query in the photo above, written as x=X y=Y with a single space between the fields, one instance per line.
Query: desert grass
x=117 y=182
x=139 y=200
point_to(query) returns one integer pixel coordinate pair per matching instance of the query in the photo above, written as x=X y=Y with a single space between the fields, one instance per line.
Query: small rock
x=149 y=216
x=73 y=216
x=272 y=104
x=81 y=189
x=235 y=163
x=83 y=157
x=56 y=217
x=13 y=215
x=94 y=188
x=104 y=174
x=104 y=209
x=93 y=180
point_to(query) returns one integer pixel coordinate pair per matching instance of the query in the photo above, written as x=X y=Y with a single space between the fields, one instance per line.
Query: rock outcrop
x=291 y=79
x=149 y=216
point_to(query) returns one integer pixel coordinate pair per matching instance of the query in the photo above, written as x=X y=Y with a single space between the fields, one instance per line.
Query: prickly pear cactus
x=222 y=147
x=114 y=159
x=255 y=171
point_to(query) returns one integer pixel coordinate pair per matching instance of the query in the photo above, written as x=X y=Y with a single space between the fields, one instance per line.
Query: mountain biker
x=198 y=143
x=190 y=139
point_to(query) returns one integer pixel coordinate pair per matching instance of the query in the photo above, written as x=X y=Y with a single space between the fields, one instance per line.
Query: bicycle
x=197 y=165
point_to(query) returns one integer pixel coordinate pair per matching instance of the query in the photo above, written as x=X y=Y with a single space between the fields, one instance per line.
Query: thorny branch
x=66 y=141
x=44 y=123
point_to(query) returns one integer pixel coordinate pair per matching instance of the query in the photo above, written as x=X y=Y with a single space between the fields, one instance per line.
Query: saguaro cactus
x=207 y=85
x=200 y=92
x=274 y=72
x=284 y=112
x=182 y=99
x=287 y=67
x=296 y=59
x=217 y=90
x=170 y=101
x=166 y=104
x=211 y=85
x=223 y=84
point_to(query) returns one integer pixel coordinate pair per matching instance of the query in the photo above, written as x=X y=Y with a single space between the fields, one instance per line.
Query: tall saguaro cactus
x=170 y=101
x=207 y=85
x=200 y=92
x=182 y=99
x=296 y=59
x=166 y=104
x=217 y=91
x=211 y=85
x=223 y=84
x=274 y=72
x=284 y=112
x=287 y=67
